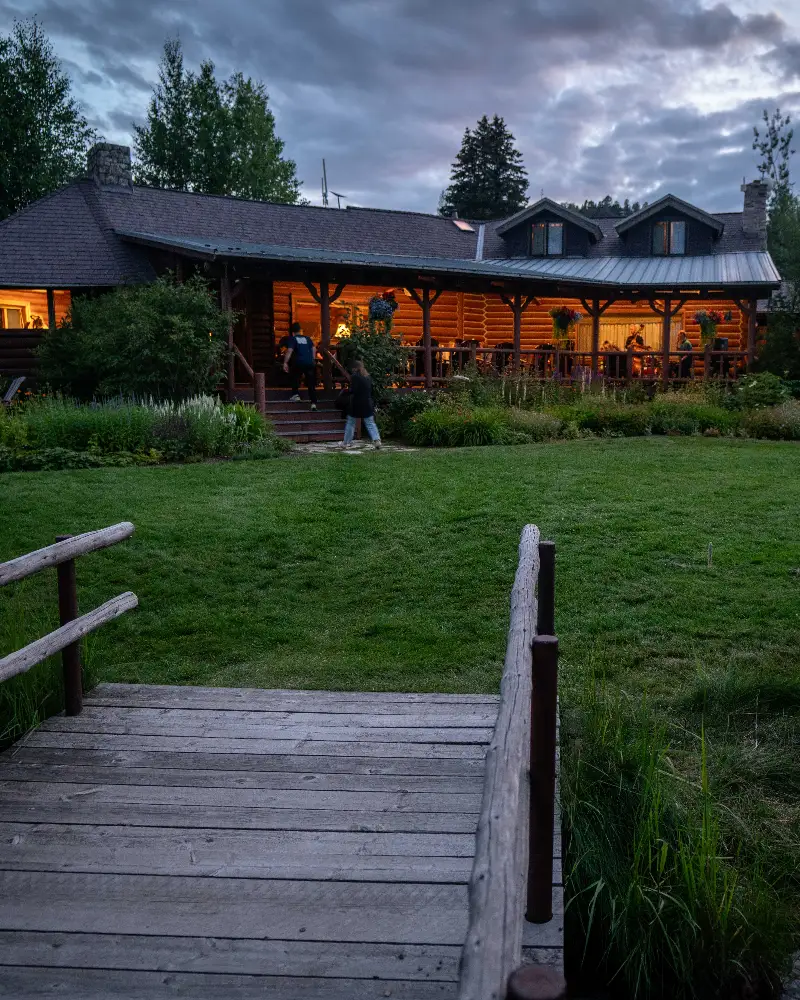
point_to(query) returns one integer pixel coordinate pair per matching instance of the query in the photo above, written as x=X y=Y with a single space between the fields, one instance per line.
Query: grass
x=679 y=680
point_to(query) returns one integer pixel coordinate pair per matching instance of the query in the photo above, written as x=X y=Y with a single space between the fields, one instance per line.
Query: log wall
x=486 y=318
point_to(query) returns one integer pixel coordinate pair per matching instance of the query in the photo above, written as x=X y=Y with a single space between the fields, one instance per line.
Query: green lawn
x=392 y=571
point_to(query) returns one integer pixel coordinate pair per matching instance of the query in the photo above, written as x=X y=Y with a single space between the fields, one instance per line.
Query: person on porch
x=685 y=347
x=300 y=361
x=361 y=406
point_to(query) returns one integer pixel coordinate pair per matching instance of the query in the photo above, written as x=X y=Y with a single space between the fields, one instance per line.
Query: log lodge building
x=463 y=287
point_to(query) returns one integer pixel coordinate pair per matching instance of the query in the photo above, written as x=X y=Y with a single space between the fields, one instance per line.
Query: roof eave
x=672 y=201
x=548 y=205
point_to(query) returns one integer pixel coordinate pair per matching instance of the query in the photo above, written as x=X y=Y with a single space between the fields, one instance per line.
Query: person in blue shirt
x=300 y=360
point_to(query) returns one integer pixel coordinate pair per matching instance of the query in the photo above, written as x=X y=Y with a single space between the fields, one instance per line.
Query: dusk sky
x=629 y=97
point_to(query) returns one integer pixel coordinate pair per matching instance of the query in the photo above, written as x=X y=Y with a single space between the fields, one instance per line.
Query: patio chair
x=12 y=390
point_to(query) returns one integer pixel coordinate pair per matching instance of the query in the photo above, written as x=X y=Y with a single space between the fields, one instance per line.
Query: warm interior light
x=343 y=331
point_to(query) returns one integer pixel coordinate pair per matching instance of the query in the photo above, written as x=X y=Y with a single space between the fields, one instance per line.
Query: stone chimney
x=110 y=166
x=754 y=221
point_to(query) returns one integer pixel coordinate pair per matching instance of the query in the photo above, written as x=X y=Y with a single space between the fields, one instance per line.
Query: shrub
x=617 y=419
x=780 y=423
x=673 y=413
x=163 y=340
x=537 y=426
x=450 y=426
x=401 y=408
x=764 y=389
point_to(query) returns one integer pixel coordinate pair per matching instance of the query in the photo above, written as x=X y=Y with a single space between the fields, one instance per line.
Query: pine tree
x=213 y=137
x=45 y=136
x=488 y=180
x=163 y=146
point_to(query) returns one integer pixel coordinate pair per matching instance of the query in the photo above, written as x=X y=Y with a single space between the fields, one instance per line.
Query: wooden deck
x=221 y=843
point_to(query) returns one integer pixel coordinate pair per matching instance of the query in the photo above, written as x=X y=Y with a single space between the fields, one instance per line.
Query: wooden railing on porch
x=259 y=382
x=617 y=367
x=67 y=639
x=512 y=876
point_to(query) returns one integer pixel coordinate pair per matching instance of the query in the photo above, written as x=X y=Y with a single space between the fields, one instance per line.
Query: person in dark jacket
x=361 y=405
x=300 y=362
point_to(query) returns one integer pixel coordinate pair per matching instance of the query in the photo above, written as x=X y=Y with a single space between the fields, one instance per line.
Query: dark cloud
x=602 y=96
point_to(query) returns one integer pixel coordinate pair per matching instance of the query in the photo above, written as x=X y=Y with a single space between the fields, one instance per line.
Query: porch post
x=595 y=337
x=51 y=309
x=325 y=331
x=426 y=337
x=226 y=303
x=752 y=329
x=517 y=308
x=666 y=329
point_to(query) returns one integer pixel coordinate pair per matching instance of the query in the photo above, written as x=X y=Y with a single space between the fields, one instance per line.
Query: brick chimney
x=754 y=221
x=110 y=166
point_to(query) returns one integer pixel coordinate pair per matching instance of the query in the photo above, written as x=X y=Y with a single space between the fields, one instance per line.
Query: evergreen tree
x=488 y=180
x=45 y=136
x=606 y=208
x=213 y=137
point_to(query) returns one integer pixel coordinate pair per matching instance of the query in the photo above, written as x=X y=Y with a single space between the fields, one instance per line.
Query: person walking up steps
x=361 y=406
x=300 y=361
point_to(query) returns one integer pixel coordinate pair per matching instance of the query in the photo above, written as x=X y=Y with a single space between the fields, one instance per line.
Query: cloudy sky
x=629 y=97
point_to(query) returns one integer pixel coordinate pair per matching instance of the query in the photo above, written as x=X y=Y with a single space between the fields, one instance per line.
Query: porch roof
x=732 y=270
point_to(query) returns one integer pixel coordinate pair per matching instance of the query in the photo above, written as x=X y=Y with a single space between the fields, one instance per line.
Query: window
x=669 y=238
x=12 y=317
x=547 y=239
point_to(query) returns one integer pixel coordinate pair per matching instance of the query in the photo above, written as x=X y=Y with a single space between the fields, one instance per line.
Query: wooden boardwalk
x=229 y=843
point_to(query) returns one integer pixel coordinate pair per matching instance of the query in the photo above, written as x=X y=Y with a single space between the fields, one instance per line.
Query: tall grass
x=667 y=897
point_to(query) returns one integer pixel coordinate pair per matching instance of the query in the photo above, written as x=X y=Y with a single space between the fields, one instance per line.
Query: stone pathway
x=357 y=448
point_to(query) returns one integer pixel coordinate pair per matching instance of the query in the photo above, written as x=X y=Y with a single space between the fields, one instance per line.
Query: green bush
x=163 y=340
x=779 y=423
x=764 y=389
x=616 y=419
x=673 y=414
x=453 y=427
x=57 y=433
x=537 y=426
x=402 y=406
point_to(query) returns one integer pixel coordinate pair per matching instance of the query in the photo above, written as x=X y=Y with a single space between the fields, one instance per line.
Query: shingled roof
x=74 y=238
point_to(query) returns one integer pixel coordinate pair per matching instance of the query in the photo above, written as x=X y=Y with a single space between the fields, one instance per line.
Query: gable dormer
x=547 y=229
x=670 y=227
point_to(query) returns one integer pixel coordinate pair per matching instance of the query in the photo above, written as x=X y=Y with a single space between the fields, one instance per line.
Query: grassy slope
x=393 y=571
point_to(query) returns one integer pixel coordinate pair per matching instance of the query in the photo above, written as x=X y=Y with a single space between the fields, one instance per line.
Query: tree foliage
x=780 y=353
x=606 y=208
x=45 y=136
x=211 y=136
x=163 y=340
x=487 y=180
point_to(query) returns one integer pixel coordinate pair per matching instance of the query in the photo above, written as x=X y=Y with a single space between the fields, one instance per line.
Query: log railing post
x=70 y=655
x=545 y=623
x=260 y=393
x=707 y=362
x=541 y=821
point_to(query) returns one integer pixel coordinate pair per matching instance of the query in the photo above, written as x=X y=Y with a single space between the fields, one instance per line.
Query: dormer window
x=669 y=238
x=547 y=239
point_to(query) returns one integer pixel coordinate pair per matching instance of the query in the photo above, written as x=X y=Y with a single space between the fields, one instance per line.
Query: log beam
x=426 y=301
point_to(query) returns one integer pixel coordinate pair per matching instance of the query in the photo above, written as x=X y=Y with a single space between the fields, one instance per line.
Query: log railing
x=512 y=875
x=259 y=382
x=618 y=367
x=66 y=639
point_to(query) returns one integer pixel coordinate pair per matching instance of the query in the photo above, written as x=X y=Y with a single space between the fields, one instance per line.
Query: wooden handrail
x=332 y=357
x=244 y=362
x=60 y=552
x=23 y=659
x=493 y=945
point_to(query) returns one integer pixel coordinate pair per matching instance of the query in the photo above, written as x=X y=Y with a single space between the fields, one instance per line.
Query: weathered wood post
x=706 y=362
x=541 y=828
x=260 y=393
x=226 y=301
x=51 y=309
x=629 y=366
x=752 y=330
x=70 y=655
x=666 y=331
x=595 y=314
x=545 y=622
x=536 y=982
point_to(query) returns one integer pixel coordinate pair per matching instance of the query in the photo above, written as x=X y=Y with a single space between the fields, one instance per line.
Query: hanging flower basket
x=382 y=307
x=564 y=319
x=708 y=320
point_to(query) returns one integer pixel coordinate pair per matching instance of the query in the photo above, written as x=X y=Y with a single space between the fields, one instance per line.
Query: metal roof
x=712 y=271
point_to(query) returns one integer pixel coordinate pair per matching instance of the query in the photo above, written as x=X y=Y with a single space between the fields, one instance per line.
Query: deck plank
x=208 y=843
